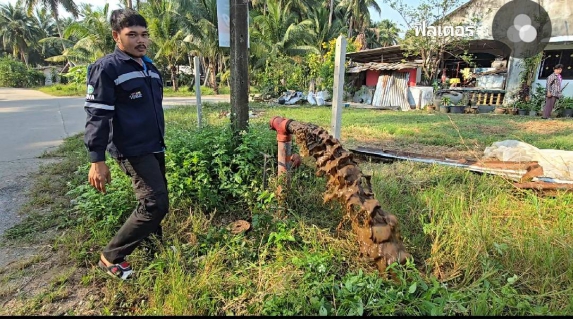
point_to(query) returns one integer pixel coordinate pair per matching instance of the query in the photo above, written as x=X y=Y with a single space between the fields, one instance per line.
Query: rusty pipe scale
x=378 y=231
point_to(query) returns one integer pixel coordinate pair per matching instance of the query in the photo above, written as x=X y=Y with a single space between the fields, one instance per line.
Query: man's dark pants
x=147 y=173
x=549 y=104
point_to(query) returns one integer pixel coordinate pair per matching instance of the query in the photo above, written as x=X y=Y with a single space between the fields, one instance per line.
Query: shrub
x=205 y=167
x=14 y=73
x=77 y=75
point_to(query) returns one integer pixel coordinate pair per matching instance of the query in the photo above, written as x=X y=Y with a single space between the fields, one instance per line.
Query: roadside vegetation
x=480 y=246
x=79 y=89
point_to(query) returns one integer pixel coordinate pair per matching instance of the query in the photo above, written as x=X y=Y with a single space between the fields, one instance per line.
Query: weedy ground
x=480 y=246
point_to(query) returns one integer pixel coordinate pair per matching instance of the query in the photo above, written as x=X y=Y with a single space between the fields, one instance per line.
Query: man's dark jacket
x=124 y=108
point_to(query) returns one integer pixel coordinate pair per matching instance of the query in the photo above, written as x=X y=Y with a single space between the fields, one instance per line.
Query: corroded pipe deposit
x=378 y=233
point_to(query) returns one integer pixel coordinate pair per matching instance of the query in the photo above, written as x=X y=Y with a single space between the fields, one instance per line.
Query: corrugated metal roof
x=360 y=67
x=385 y=54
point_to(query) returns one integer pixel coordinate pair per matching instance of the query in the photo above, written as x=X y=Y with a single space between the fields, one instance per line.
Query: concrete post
x=338 y=89
x=239 y=64
x=197 y=67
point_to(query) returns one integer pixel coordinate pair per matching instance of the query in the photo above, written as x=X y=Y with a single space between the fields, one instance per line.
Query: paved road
x=32 y=122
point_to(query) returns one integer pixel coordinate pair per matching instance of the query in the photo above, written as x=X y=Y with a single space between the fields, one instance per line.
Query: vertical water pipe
x=284 y=140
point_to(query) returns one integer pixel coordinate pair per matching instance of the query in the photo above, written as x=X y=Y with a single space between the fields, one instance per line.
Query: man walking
x=125 y=117
x=553 y=90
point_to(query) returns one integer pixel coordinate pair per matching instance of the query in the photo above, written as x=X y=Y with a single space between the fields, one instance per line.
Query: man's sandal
x=122 y=270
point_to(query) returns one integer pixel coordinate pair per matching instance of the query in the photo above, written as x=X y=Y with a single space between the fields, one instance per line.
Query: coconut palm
x=319 y=29
x=357 y=14
x=17 y=30
x=53 y=6
x=279 y=33
x=203 y=39
x=167 y=34
x=382 y=34
x=87 y=39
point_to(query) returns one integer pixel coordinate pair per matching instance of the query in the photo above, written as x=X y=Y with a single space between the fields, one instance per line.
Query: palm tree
x=278 y=33
x=18 y=30
x=167 y=32
x=320 y=31
x=382 y=34
x=88 y=39
x=44 y=22
x=203 y=39
x=69 y=5
x=357 y=14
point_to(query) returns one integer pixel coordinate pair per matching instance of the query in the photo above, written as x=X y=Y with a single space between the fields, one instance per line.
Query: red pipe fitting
x=280 y=125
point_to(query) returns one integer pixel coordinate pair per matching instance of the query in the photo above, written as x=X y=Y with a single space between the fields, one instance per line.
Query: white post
x=338 y=89
x=198 y=89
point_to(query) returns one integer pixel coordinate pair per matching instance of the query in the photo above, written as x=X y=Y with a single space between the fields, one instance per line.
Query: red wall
x=372 y=77
x=412 y=80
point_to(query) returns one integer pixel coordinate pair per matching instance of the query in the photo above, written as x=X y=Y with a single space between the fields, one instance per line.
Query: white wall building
x=559 y=49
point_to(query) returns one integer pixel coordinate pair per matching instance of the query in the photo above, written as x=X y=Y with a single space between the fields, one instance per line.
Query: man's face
x=558 y=71
x=132 y=40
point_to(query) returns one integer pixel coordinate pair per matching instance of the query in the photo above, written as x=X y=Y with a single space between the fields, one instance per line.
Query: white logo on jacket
x=135 y=95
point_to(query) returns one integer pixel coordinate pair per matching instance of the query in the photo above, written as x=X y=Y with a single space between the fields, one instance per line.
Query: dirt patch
x=494 y=130
x=46 y=284
x=543 y=127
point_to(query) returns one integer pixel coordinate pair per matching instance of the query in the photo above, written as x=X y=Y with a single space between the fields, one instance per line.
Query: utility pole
x=239 y=65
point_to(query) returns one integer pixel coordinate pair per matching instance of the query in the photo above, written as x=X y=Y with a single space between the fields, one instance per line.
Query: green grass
x=480 y=246
x=79 y=90
x=63 y=90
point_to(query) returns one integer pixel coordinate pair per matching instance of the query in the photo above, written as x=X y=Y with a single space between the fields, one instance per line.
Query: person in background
x=125 y=117
x=553 y=90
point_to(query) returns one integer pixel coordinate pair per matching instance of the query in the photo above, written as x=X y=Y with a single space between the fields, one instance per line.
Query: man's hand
x=549 y=94
x=99 y=175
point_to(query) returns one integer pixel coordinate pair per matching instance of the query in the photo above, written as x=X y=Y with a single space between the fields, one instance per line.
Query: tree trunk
x=173 y=69
x=350 y=27
x=330 y=13
x=129 y=4
x=60 y=32
x=207 y=76
x=25 y=58
x=213 y=67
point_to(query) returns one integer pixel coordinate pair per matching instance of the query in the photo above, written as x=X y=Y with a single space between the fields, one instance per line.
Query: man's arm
x=100 y=108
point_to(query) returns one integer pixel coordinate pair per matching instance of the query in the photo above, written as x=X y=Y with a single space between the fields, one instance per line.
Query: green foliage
x=65 y=89
x=322 y=66
x=104 y=211
x=205 y=168
x=522 y=105
x=529 y=66
x=77 y=75
x=480 y=247
x=538 y=98
x=566 y=102
x=14 y=73
x=282 y=73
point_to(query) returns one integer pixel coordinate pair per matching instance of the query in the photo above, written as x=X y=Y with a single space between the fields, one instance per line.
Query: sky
x=387 y=12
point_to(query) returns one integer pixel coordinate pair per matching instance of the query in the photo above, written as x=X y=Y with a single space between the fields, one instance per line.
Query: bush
x=205 y=167
x=14 y=73
x=77 y=75
x=282 y=73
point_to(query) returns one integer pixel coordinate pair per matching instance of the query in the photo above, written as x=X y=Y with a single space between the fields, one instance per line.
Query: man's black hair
x=125 y=18
x=558 y=66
